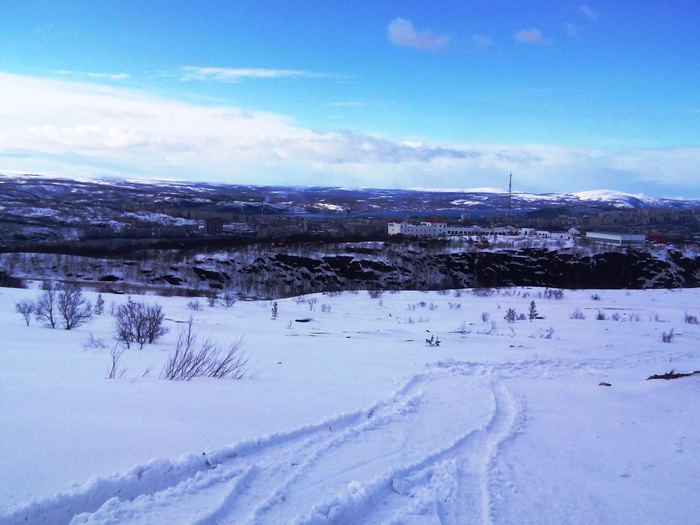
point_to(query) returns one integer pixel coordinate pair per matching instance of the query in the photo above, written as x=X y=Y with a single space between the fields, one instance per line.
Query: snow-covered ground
x=351 y=418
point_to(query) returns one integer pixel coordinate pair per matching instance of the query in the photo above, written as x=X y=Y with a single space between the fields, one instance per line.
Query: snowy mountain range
x=27 y=195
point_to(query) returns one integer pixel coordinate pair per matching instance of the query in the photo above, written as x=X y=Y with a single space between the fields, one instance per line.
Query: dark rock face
x=290 y=275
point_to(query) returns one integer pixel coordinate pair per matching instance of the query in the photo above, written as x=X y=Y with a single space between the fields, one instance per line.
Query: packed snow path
x=424 y=454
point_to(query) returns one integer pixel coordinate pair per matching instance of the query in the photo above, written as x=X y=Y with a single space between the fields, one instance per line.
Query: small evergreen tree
x=532 y=314
x=99 y=307
x=275 y=310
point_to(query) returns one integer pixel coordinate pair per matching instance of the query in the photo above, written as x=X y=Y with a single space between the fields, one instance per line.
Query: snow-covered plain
x=351 y=418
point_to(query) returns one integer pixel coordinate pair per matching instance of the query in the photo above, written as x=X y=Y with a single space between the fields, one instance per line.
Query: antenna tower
x=510 y=196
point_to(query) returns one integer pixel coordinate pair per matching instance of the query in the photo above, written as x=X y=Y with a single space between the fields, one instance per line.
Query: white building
x=441 y=229
x=617 y=239
x=424 y=229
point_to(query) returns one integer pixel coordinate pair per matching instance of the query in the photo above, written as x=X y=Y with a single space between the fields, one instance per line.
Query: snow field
x=351 y=418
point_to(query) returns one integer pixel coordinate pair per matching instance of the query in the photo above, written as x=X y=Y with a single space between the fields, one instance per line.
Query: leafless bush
x=485 y=316
x=595 y=297
x=483 y=292
x=192 y=359
x=229 y=299
x=326 y=308
x=553 y=293
x=138 y=323
x=463 y=329
x=543 y=334
x=194 y=305
x=211 y=299
x=116 y=354
x=457 y=293
x=689 y=319
x=26 y=309
x=443 y=292
x=600 y=316
x=312 y=303
x=94 y=343
x=375 y=293
x=667 y=337
x=72 y=306
x=45 y=308
x=578 y=314
x=300 y=299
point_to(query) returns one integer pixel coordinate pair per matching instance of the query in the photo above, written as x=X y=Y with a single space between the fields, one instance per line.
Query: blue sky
x=569 y=95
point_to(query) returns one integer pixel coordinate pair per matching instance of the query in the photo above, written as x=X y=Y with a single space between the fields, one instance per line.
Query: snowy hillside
x=350 y=417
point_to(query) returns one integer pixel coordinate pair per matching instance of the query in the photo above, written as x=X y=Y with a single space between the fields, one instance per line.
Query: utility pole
x=510 y=197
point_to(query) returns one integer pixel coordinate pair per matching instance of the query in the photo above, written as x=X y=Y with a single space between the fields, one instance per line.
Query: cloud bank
x=71 y=128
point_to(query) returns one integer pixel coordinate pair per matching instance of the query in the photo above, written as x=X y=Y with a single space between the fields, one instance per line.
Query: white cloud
x=588 y=11
x=347 y=104
x=72 y=128
x=402 y=33
x=230 y=74
x=571 y=30
x=481 y=41
x=532 y=36
x=101 y=75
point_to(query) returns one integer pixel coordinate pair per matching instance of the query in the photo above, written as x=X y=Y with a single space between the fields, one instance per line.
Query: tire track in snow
x=253 y=477
x=166 y=478
x=451 y=486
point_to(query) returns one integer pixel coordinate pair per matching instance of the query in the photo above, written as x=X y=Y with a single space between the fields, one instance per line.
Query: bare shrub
x=553 y=293
x=600 y=316
x=194 y=305
x=595 y=297
x=688 y=318
x=326 y=308
x=138 y=323
x=116 y=354
x=229 y=299
x=300 y=299
x=375 y=293
x=45 y=308
x=26 y=309
x=483 y=292
x=578 y=314
x=667 y=337
x=94 y=343
x=211 y=299
x=192 y=359
x=72 y=306
x=312 y=303
x=485 y=316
